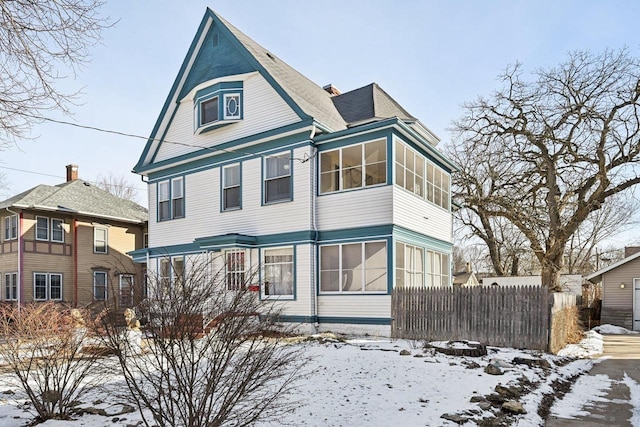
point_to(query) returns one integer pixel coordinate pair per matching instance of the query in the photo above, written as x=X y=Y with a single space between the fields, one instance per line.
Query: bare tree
x=557 y=148
x=42 y=346
x=207 y=358
x=118 y=186
x=41 y=39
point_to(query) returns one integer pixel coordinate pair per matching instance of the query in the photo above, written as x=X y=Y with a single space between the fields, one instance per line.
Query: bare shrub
x=206 y=358
x=42 y=347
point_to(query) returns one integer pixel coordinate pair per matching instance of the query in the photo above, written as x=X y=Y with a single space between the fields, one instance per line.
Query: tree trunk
x=551 y=276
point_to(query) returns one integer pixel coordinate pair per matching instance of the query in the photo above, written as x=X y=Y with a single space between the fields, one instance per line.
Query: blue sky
x=431 y=56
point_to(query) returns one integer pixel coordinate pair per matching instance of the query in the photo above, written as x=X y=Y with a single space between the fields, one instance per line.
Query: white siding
x=264 y=110
x=202 y=207
x=354 y=305
x=414 y=213
x=358 y=208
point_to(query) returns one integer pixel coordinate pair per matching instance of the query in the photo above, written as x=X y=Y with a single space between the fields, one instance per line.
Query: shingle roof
x=78 y=196
x=367 y=103
x=310 y=97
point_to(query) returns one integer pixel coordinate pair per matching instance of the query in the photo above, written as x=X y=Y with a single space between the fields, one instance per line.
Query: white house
x=336 y=198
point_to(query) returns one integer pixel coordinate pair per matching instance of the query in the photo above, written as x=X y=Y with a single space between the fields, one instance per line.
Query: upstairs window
x=100 y=242
x=231 y=187
x=277 y=178
x=209 y=111
x=57 y=230
x=11 y=227
x=217 y=105
x=355 y=166
x=171 y=199
x=42 y=228
x=232 y=106
x=420 y=176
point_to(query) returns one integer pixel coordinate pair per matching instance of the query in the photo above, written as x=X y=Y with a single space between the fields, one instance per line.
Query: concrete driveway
x=621 y=355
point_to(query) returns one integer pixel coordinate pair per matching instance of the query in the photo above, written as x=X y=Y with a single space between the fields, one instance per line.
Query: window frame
x=445 y=273
x=410 y=270
x=11 y=227
x=291 y=263
x=266 y=179
x=48 y=286
x=52 y=228
x=226 y=187
x=39 y=228
x=227 y=117
x=363 y=165
x=364 y=269
x=122 y=279
x=201 y=104
x=96 y=240
x=105 y=295
x=235 y=277
x=426 y=187
x=170 y=199
x=11 y=286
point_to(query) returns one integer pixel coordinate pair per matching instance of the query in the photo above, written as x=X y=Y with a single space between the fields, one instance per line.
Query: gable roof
x=597 y=275
x=307 y=99
x=80 y=197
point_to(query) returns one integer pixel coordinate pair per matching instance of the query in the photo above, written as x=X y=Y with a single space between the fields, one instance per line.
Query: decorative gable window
x=277 y=178
x=217 y=105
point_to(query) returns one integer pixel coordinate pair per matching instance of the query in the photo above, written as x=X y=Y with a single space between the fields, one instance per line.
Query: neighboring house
x=570 y=283
x=620 y=284
x=69 y=243
x=337 y=198
x=465 y=278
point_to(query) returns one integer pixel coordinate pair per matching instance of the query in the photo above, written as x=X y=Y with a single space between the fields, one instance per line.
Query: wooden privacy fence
x=518 y=316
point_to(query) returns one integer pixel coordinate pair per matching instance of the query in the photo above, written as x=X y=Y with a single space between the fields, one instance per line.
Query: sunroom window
x=353 y=268
x=354 y=166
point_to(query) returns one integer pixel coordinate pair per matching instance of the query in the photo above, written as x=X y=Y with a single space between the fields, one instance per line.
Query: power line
x=305 y=159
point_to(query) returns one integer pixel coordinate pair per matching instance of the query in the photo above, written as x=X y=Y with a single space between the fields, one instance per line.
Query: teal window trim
x=341 y=270
x=334 y=180
x=224 y=187
x=265 y=179
x=228 y=97
x=170 y=199
x=294 y=272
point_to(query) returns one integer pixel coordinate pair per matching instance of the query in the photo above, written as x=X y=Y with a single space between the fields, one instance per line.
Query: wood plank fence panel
x=500 y=316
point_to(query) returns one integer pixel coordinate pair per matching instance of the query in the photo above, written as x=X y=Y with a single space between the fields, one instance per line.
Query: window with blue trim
x=231 y=187
x=217 y=105
x=354 y=268
x=354 y=166
x=277 y=178
x=171 y=199
x=409 y=265
x=278 y=272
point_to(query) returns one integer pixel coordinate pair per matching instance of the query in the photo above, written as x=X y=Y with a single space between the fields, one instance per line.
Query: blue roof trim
x=228 y=150
x=433 y=151
x=208 y=14
x=355 y=130
x=413 y=237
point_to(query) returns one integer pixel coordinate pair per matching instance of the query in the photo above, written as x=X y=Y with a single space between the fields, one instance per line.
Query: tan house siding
x=48 y=263
x=617 y=301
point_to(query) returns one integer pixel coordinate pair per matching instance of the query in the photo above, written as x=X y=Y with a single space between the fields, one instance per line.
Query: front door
x=636 y=304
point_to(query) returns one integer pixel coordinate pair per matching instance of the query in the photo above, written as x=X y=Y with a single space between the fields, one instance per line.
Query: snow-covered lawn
x=363 y=382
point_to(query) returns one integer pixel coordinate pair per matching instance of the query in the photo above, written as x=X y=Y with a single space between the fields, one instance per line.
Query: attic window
x=217 y=105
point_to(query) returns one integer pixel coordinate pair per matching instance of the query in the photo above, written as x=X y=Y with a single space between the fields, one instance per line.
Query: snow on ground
x=592 y=344
x=586 y=391
x=608 y=329
x=359 y=382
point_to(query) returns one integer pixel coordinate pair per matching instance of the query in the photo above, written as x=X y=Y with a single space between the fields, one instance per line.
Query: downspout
x=20 y=257
x=314 y=228
x=75 y=261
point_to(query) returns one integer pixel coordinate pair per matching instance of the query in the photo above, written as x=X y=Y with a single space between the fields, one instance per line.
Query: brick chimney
x=333 y=91
x=72 y=172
